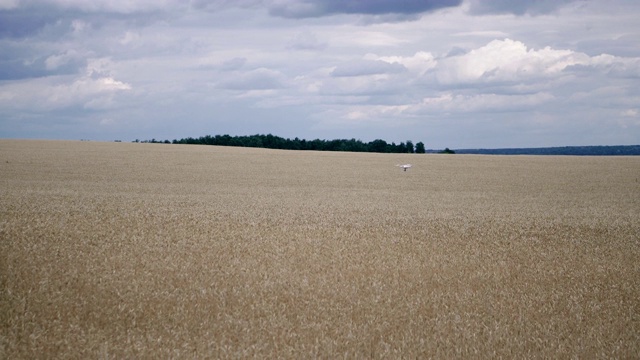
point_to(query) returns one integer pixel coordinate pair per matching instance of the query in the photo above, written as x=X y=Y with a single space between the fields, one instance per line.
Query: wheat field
x=122 y=250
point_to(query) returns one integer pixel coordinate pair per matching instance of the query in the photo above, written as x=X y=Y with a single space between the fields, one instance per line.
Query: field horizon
x=132 y=250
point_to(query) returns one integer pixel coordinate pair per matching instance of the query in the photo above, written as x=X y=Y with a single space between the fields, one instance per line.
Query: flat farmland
x=122 y=250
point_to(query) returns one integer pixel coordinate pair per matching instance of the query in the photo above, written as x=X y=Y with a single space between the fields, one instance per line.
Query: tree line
x=270 y=141
x=603 y=150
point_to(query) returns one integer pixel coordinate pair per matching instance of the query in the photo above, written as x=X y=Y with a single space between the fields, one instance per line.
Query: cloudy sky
x=449 y=73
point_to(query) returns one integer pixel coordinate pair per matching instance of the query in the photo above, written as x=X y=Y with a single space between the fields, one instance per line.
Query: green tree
x=409 y=145
x=420 y=148
x=378 y=145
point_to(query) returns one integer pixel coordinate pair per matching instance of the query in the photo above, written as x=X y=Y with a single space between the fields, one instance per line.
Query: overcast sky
x=449 y=73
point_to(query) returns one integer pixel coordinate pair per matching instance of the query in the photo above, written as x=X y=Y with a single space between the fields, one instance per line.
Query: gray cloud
x=53 y=19
x=28 y=20
x=518 y=7
x=21 y=62
x=258 y=79
x=316 y=8
x=306 y=41
x=367 y=67
x=233 y=64
x=14 y=69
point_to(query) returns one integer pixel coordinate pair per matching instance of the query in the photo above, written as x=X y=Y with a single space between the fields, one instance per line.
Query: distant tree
x=334 y=145
x=255 y=141
x=378 y=145
x=420 y=148
x=410 y=147
x=447 y=151
x=277 y=142
x=316 y=144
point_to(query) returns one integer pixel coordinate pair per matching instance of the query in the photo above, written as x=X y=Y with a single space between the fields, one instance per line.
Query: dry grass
x=117 y=250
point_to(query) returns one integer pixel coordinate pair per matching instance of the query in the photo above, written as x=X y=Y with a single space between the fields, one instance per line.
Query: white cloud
x=55 y=61
x=511 y=61
x=419 y=63
x=367 y=67
x=91 y=91
x=366 y=39
x=506 y=60
x=364 y=86
x=446 y=104
x=483 y=33
x=450 y=102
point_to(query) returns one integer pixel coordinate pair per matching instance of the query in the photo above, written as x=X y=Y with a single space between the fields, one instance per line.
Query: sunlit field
x=122 y=250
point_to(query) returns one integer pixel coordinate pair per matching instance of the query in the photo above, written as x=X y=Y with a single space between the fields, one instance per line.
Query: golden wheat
x=118 y=250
